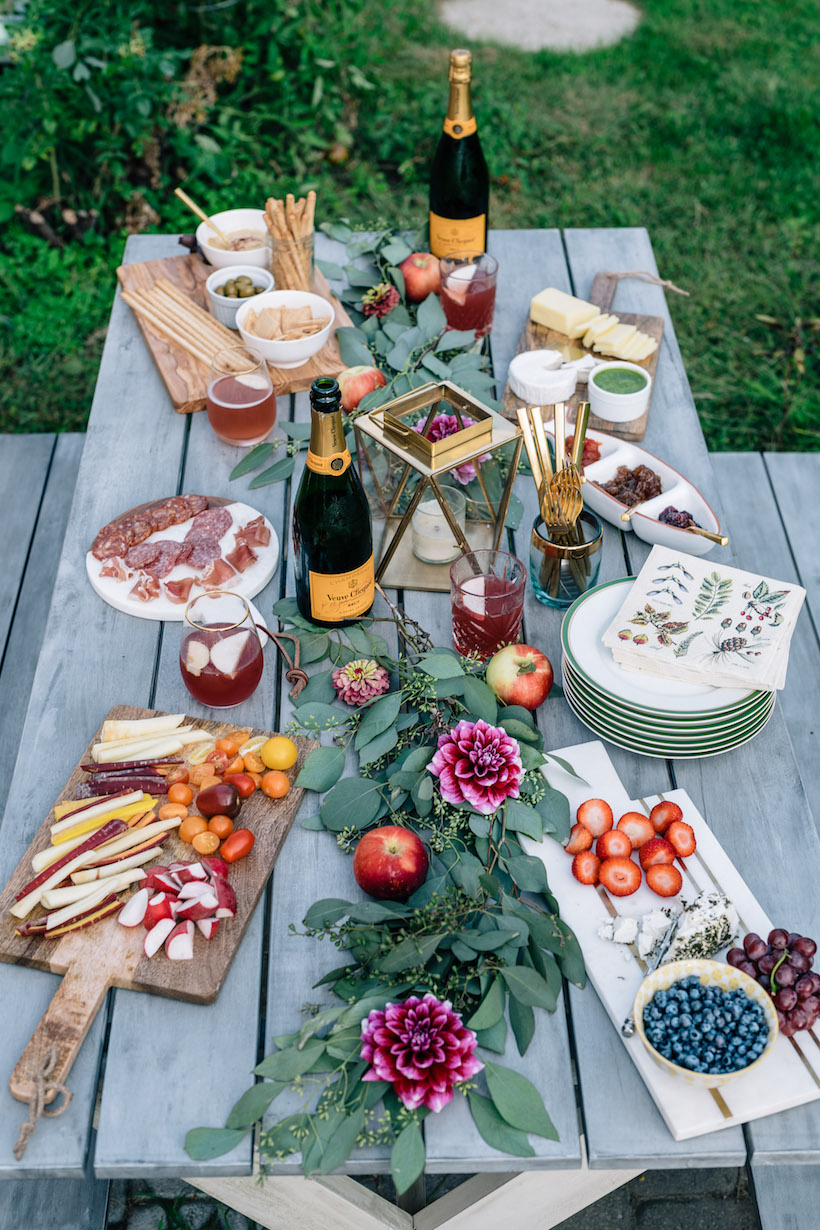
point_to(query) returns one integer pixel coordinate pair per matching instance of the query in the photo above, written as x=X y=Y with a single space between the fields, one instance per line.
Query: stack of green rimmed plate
x=645 y=713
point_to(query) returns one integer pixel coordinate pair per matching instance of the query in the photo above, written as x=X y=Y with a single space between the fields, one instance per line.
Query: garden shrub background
x=703 y=127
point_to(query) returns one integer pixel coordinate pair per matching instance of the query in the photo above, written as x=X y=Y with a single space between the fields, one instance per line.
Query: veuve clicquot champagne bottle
x=459 y=180
x=332 y=532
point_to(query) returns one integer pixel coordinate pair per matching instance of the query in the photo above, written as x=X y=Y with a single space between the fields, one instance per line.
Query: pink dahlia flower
x=380 y=300
x=422 y=1048
x=360 y=681
x=477 y=764
x=444 y=425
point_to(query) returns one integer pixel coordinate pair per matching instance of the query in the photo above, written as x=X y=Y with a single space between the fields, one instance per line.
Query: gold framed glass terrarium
x=436 y=440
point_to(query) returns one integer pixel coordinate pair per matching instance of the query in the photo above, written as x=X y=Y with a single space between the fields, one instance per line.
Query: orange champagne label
x=336 y=463
x=457 y=234
x=342 y=595
x=460 y=128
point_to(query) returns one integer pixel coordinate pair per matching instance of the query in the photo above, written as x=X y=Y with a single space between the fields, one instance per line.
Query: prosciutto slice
x=216 y=574
x=241 y=557
x=254 y=534
x=147 y=587
x=115 y=568
x=179 y=591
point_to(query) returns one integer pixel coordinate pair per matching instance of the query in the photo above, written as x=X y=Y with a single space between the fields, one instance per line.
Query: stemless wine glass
x=487 y=595
x=220 y=656
x=468 y=281
x=241 y=402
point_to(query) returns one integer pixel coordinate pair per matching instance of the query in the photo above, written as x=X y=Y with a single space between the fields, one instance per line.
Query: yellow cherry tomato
x=275 y=784
x=279 y=753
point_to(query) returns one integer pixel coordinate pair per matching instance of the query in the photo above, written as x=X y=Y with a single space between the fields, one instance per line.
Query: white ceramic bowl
x=287 y=354
x=711 y=974
x=618 y=407
x=224 y=309
x=230 y=221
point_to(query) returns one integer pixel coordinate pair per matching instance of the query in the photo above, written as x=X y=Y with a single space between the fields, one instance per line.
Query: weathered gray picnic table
x=151 y=1067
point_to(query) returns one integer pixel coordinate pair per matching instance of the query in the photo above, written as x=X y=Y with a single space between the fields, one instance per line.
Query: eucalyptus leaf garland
x=483 y=931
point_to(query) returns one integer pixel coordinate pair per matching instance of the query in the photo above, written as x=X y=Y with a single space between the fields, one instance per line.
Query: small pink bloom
x=422 y=1048
x=477 y=764
x=444 y=425
x=360 y=681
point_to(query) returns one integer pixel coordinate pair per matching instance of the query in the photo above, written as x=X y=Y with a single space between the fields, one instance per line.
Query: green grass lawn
x=703 y=127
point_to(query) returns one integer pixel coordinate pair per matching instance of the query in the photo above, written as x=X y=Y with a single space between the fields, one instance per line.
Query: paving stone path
x=562 y=25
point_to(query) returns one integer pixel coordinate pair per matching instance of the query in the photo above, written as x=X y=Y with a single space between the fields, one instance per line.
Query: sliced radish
x=226 y=899
x=157 y=936
x=151 y=877
x=215 y=866
x=225 y=654
x=158 y=907
x=188 y=871
x=166 y=882
x=179 y=946
x=208 y=926
x=133 y=912
x=195 y=888
x=203 y=907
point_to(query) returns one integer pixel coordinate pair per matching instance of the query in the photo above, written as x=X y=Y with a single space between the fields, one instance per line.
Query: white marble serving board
x=790 y=1075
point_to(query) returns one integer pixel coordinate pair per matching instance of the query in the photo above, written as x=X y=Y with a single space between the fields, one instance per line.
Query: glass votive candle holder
x=560 y=570
x=433 y=540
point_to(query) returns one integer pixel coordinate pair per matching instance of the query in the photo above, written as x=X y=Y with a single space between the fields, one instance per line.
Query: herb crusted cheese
x=704 y=927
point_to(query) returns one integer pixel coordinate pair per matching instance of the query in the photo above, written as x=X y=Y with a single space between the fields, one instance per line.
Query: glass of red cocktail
x=487 y=596
x=241 y=402
x=468 y=281
x=220 y=657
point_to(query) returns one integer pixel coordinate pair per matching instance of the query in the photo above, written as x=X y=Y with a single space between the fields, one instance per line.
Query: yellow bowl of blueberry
x=704 y=1022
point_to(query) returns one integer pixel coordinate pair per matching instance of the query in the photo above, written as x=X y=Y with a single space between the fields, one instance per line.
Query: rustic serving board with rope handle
x=105 y=955
x=186 y=377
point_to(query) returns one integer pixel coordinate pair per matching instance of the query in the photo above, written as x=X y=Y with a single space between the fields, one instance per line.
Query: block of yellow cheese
x=557 y=310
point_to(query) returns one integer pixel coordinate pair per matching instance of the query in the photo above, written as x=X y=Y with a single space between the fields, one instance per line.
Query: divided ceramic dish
x=675 y=490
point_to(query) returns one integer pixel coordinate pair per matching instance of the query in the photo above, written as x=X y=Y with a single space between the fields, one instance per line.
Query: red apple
x=520 y=675
x=390 y=863
x=421 y=276
x=357 y=382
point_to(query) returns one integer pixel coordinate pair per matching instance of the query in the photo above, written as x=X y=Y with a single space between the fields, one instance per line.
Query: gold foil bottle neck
x=461 y=66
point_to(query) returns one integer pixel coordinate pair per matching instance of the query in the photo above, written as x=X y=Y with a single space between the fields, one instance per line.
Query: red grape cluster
x=783 y=966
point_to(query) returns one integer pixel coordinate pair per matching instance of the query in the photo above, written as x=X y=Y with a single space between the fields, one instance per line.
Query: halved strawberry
x=656 y=850
x=614 y=844
x=595 y=815
x=682 y=837
x=637 y=828
x=662 y=815
x=664 y=879
x=579 y=839
x=585 y=867
x=620 y=876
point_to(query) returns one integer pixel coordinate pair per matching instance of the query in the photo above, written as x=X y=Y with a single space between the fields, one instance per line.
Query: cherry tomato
x=207 y=782
x=170 y=811
x=190 y=826
x=180 y=793
x=256 y=778
x=236 y=765
x=177 y=774
x=221 y=825
x=229 y=746
x=244 y=783
x=199 y=773
x=237 y=846
x=279 y=752
x=275 y=784
x=253 y=763
x=206 y=843
x=217 y=760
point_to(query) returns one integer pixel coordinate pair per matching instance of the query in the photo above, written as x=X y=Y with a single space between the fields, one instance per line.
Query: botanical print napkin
x=686 y=618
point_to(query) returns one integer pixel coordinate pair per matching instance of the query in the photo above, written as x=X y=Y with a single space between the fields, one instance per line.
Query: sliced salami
x=142 y=555
x=196 y=504
x=203 y=550
x=165 y=514
x=211 y=524
x=168 y=557
x=110 y=541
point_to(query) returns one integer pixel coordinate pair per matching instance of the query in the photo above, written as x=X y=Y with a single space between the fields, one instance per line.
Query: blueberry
x=720 y=1020
x=685 y=1020
x=695 y=1035
x=677 y=1048
x=709 y=1056
x=720 y=1042
x=671 y=1009
x=675 y=1022
x=690 y=1061
x=695 y=993
x=660 y=998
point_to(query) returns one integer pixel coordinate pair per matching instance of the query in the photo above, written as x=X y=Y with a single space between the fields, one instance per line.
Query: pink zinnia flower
x=360 y=681
x=444 y=425
x=477 y=764
x=422 y=1048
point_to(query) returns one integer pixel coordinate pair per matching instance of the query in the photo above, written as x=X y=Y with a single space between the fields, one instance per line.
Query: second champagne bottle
x=332 y=530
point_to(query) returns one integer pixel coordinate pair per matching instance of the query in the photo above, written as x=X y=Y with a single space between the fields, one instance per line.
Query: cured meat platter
x=538 y=337
x=145 y=565
x=789 y=1076
x=94 y=958
x=186 y=377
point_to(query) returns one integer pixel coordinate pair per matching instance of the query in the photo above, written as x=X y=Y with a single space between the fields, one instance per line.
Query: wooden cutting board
x=537 y=337
x=185 y=377
x=106 y=954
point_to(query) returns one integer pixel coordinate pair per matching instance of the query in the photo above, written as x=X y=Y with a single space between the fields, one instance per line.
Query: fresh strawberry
x=585 y=867
x=662 y=815
x=579 y=839
x=637 y=828
x=656 y=850
x=664 y=879
x=682 y=837
x=620 y=876
x=613 y=844
x=595 y=815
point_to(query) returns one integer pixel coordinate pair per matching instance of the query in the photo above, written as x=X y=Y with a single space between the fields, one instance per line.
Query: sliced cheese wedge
x=648 y=347
x=597 y=327
x=615 y=337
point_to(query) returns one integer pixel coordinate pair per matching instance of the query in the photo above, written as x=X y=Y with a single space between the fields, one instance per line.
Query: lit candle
x=433 y=539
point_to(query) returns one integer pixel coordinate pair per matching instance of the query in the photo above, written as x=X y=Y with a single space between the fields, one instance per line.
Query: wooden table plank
x=76 y=1204
x=796 y=481
x=788 y=1196
x=84 y=638
x=24 y=466
x=34 y=597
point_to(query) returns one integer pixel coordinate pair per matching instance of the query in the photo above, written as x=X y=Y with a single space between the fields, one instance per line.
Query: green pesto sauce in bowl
x=620 y=380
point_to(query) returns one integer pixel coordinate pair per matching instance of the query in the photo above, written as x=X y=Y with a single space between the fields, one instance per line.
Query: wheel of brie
x=537 y=376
